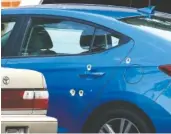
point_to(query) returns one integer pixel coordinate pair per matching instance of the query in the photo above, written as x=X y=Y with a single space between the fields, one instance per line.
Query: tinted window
x=156 y=25
x=6 y=29
x=104 y=40
x=58 y=37
x=64 y=37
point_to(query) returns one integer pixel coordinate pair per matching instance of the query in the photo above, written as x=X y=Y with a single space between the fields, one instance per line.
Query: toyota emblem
x=6 y=80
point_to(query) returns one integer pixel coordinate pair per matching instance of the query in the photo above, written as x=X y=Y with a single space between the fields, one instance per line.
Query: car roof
x=106 y=10
x=87 y=12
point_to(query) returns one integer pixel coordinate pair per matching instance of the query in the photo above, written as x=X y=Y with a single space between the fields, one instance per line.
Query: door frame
x=28 y=25
x=15 y=40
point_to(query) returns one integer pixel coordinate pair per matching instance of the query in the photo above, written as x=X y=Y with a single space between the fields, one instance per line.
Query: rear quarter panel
x=140 y=81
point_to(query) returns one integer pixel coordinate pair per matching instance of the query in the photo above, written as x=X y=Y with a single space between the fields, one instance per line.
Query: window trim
x=96 y=26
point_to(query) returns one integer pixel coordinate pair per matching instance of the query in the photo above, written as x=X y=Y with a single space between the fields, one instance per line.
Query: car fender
x=147 y=105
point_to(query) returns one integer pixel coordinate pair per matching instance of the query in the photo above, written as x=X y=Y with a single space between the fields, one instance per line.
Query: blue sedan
x=108 y=68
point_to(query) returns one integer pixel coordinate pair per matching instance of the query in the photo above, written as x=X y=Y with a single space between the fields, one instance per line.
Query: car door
x=9 y=27
x=71 y=55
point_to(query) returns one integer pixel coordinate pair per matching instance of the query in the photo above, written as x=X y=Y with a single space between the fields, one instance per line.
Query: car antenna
x=147 y=10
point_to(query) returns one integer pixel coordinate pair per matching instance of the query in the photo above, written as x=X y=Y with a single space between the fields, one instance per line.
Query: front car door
x=72 y=55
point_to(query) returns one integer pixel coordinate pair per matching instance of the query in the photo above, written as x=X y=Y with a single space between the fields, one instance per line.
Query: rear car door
x=52 y=46
x=73 y=58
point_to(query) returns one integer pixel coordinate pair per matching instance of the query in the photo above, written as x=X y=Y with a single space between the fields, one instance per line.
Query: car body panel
x=138 y=85
x=68 y=68
x=30 y=119
x=15 y=80
x=3 y=62
x=163 y=121
x=34 y=123
x=26 y=78
x=131 y=70
x=159 y=116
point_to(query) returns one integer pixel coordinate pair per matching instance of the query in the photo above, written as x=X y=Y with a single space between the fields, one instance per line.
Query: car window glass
x=6 y=28
x=104 y=40
x=58 y=38
x=159 y=26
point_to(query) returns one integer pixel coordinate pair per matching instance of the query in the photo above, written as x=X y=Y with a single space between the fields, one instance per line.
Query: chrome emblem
x=6 y=80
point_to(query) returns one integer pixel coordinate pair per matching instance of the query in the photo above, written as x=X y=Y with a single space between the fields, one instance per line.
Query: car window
x=58 y=37
x=55 y=37
x=159 y=26
x=104 y=40
x=6 y=28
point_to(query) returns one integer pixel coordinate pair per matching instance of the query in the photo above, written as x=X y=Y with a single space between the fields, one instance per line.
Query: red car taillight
x=13 y=99
x=41 y=100
x=166 y=69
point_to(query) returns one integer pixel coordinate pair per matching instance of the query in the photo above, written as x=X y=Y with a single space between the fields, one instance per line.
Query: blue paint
x=147 y=10
x=145 y=85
